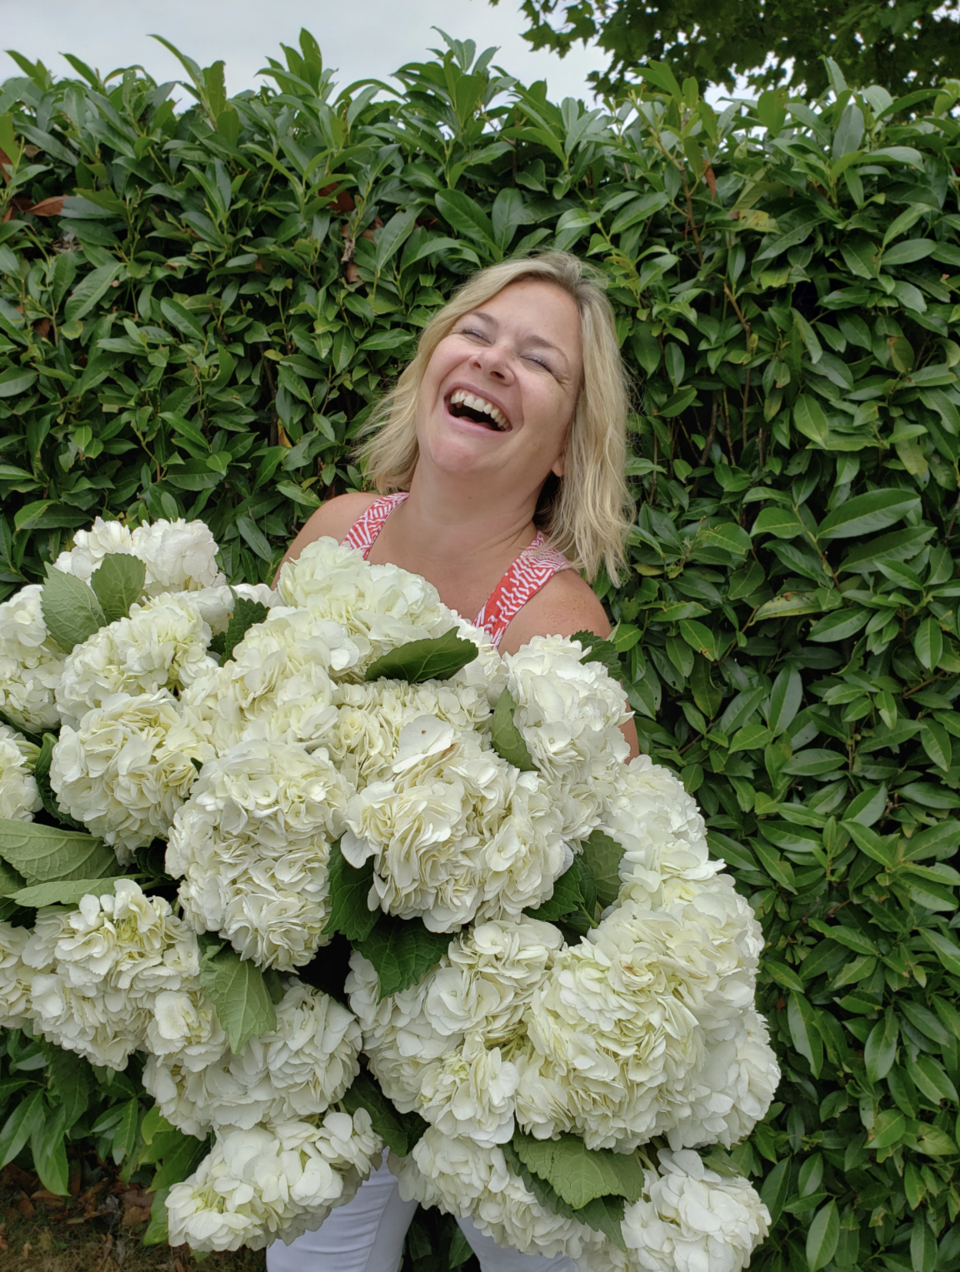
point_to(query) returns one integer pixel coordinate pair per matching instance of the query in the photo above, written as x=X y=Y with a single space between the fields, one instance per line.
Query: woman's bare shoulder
x=332 y=519
x=564 y=605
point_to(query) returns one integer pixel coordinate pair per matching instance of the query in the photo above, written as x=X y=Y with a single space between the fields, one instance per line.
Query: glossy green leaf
x=823 y=1237
x=785 y=698
x=567 y=898
x=801 y=1018
x=246 y=613
x=881 y=1047
x=603 y=855
x=436 y=658
x=947 y=951
x=866 y=514
x=506 y=737
x=89 y=291
x=23 y=1121
x=349 y=889
x=888 y=1129
x=402 y=952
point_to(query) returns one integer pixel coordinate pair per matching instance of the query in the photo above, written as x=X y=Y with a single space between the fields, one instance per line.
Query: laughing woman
x=499 y=460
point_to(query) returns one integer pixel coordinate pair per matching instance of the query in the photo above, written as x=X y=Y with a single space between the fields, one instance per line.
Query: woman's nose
x=493 y=359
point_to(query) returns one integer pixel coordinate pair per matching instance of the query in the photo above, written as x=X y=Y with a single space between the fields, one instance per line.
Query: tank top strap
x=363 y=533
x=535 y=566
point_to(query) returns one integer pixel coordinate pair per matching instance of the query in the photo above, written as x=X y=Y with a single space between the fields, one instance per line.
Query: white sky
x=363 y=38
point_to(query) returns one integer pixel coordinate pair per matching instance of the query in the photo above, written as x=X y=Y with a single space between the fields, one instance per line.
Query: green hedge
x=201 y=327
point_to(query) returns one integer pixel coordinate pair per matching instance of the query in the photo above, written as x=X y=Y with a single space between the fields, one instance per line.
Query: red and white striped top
x=535 y=565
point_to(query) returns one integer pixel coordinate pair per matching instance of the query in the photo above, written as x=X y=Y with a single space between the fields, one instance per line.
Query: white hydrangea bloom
x=16 y=978
x=399 y=1038
x=19 y=796
x=494 y=969
x=470 y=1092
x=179 y=556
x=216 y=604
x=731 y=1089
x=690 y=1219
x=569 y=714
x=661 y=830
x=454 y=827
x=99 y=968
x=272 y=1181
x=91 y=546
x=436 y=1047
x=620 y=1026
x=184 y=1025
x=296 y=1070
x=252 y=846
x=381 y=607
x=463 y=1178
x=161 y=645
x=365 y=739
x=30 y=663
x=378 y=606
x=127 y=768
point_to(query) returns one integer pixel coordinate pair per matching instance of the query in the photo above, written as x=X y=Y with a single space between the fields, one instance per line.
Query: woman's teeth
x=477 y=406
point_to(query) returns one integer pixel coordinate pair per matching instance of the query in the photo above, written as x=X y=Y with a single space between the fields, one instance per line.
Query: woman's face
x=500 y=390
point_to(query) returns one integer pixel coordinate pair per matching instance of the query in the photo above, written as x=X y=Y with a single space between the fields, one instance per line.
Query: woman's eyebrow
x=538 y=342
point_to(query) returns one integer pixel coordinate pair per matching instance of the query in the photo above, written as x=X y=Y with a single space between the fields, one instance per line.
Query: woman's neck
x=459 y=540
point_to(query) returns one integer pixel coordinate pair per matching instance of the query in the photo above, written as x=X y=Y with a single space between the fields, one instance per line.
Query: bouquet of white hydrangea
x=389 y=887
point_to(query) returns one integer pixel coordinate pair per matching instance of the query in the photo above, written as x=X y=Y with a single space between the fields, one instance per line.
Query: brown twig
x=714 y=410
x=726 y=429
x=953 y=519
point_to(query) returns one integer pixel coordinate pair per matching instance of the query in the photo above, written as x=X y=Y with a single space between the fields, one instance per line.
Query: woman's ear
x=557 y=466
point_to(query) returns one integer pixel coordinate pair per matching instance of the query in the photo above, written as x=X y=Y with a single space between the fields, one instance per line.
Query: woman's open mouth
x=468 y=406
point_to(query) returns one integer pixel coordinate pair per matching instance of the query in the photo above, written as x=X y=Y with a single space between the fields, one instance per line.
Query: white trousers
x=367 y=1235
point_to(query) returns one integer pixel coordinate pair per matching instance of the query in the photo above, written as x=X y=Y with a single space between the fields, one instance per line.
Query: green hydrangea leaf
x=602 y=854
x=240 y=995
x=349 y=889
x=603 y=1214
x=41 y=771
x=274 y=983
x=580 y=1174
x=63 y=891
x=402 y=951
x=246 y=614
x=507 y=740
x=596 y=649
x=567 y=898
x=70 y=609
x=47 y=854
x=434 y=659
x=118 y=582
x=10 y=880
x=400 y=1131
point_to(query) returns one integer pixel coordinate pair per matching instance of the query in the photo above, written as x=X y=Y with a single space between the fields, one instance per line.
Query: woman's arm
x=563 y=606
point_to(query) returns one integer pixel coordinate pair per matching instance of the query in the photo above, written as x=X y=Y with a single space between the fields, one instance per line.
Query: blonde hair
x=586 y=513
